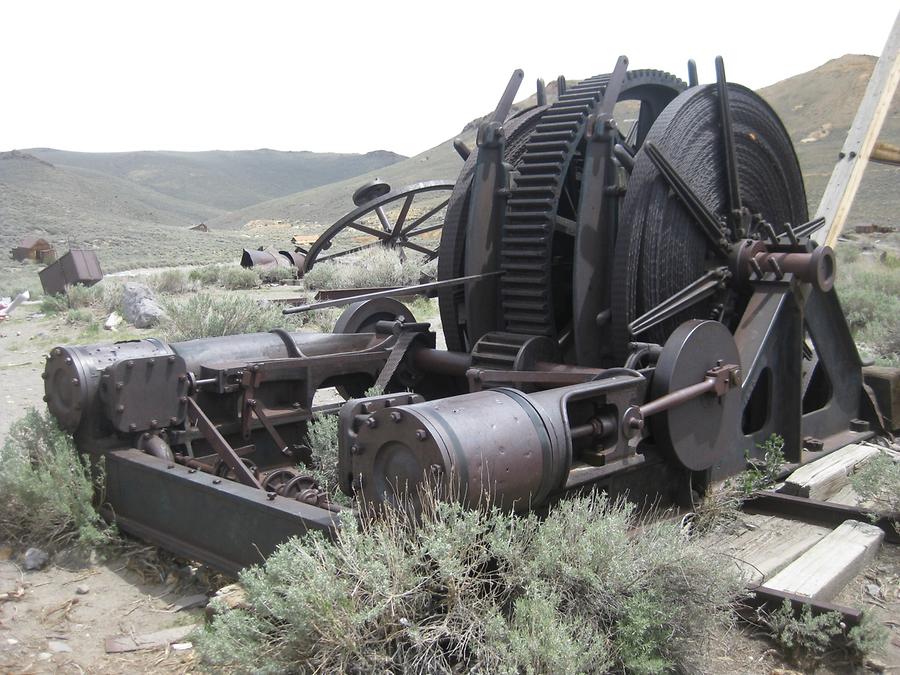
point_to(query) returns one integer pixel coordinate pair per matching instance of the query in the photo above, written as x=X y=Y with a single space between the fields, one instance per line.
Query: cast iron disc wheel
x=361 y=317
x=660 y=249
x=695 y=432
x=414 y=229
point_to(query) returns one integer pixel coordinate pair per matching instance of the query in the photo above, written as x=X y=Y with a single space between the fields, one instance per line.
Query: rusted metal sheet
x=78 y=266
x=268 y=257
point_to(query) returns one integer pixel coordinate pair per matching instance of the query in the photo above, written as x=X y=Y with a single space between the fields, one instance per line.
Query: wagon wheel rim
x=409 y=220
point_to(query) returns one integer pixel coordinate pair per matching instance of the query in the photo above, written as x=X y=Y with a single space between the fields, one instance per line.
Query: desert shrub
x=374 y=267
x=322 y=438
x=271 y=275
x=869 y=291
x=47 y=487
x=207 y=315
x=208 y=275
x=762 y=475
x=75 y=316
x=237 y=278
x=460 y=590
x=105 y=296
x=807 y=638
x=172 y=282
x=878 y=482
x=54 y=304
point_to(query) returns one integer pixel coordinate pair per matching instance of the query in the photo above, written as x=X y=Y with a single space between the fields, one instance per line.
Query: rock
x=58 y=646
x=82 y=589
x=35 y=559
x=140 y=307
x=113 y=321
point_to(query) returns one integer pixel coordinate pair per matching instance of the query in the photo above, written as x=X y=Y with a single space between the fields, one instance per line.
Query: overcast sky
x=331 y=75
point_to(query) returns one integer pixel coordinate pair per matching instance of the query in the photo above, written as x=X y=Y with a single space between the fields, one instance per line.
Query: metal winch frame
x=544 y=390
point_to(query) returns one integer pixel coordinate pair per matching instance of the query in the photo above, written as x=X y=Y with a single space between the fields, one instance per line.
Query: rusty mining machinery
x=633 y=311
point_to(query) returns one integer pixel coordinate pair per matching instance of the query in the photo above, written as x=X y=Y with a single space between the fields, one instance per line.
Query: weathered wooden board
x=825 y=477
x=133 y=643
x=823 y=570
x=761 y=546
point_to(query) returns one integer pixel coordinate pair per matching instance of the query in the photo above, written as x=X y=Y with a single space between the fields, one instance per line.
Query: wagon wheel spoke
x=404 y=210
x=421 y=249
x=421 y=219
x=384 y=236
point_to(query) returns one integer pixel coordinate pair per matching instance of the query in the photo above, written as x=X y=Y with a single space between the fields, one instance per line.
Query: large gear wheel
x=545 y=148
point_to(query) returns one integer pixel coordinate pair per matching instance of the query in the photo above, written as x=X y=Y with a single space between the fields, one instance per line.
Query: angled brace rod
x=509 y=96
x=807 y=229
x=220 y=445
x=731 y=173
x=689 y=295
x=701 y=215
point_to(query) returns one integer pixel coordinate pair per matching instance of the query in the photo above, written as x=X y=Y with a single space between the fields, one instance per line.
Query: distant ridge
x=222 y=179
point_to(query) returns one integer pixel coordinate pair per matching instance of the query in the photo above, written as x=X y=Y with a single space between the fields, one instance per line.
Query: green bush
x=54 y=304
x=208 y=275
x=238 y=278
x=272 y=275
x=47 y=487
x=372 y=268
x=878 y=482
x=172 y=282
x=207 y=315
x=459 y=590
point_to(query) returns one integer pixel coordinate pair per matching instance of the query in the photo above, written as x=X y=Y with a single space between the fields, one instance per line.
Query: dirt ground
x=49 y=627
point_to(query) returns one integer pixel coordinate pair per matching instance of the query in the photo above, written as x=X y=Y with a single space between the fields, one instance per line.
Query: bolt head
x=371 y=422
x=421 y=434
x=355 y=449
x=396 y=416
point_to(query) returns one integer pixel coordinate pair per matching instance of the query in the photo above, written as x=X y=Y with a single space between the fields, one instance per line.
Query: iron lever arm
x=220 y=445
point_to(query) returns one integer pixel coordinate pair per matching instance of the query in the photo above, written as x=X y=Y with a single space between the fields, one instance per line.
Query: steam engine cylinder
x=499 y=439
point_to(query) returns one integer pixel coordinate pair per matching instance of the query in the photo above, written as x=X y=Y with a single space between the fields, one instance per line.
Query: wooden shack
x=34 y=249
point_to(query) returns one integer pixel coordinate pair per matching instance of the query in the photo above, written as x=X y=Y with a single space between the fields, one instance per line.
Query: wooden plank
x=764 y=545
x=826 y=476
x=133 y=643
x=861 y=137
x=886 y=153
x=830 y=564
x=885 y=383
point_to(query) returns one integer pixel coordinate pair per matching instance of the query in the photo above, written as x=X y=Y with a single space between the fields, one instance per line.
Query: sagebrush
x=460 y=590
x=375 y=267
x=207 y=315
x=47 y=487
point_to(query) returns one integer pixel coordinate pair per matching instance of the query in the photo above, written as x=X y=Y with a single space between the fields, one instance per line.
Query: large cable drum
x=661 y=247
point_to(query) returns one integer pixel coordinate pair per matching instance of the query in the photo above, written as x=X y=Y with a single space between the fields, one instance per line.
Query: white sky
x=334 y=75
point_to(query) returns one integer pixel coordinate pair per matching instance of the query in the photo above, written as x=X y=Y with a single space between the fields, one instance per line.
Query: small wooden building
x=35 y=249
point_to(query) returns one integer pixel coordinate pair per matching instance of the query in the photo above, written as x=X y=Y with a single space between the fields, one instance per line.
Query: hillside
x=822 y=99
x=817 y=108
x=220 y=179
x=128 y=224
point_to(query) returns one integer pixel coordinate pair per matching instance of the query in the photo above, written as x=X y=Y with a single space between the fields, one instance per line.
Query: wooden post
x=848 y=171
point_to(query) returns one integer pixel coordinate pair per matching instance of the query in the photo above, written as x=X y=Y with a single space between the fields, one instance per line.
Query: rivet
x=119 y=385
x=154 y=424
x=132 y=427
x=44 y=375
x=216 y=481
x=173 y=420
x=151 y=362
x=129 y=364
x=68 y=359
x=355 y=449
x=182 y=378
x=171 y=359
x=270 y=496
x=46 y=398
x=120 y=407
x=192 y=470
x=75 y=381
